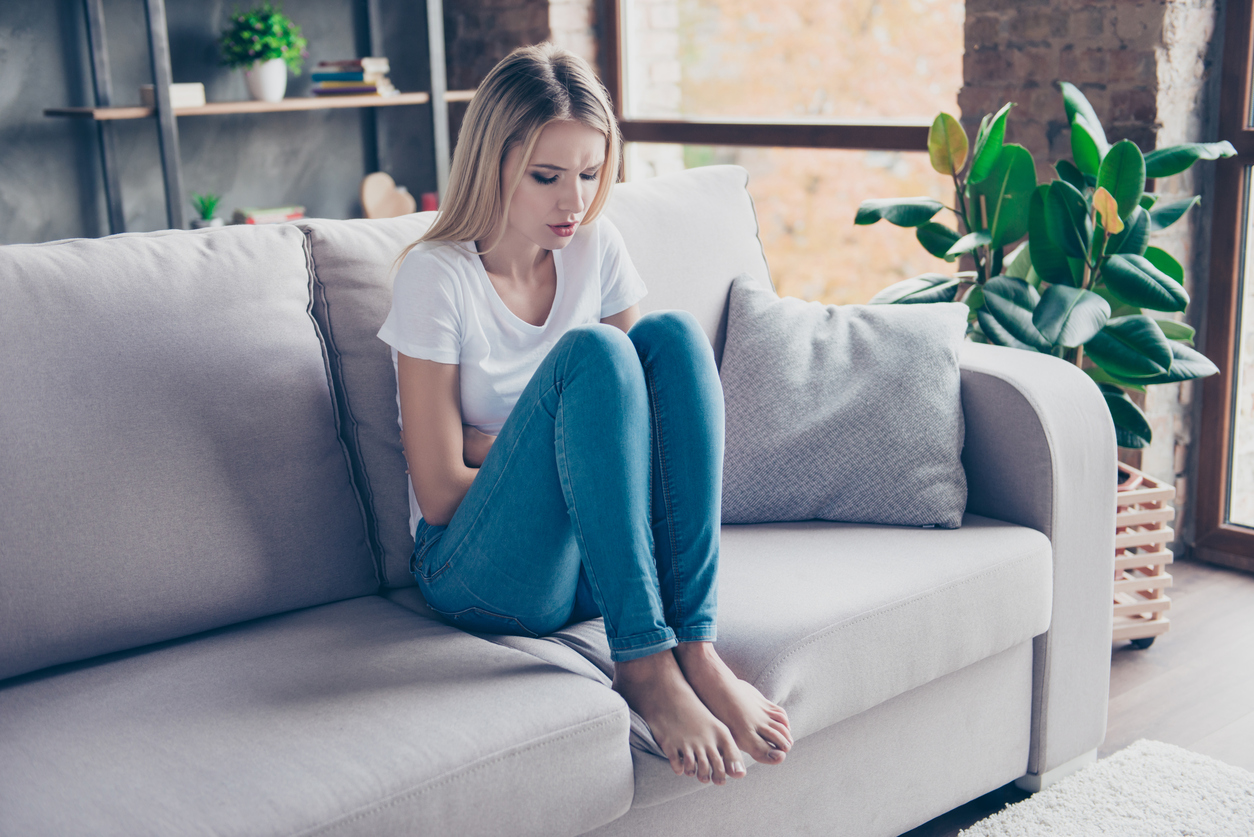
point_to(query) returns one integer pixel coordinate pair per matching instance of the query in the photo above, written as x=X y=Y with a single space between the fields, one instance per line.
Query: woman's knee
x=603 y=347
x=670 y=331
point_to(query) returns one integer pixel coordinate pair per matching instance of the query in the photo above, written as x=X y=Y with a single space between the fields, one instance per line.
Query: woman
x=565 y=453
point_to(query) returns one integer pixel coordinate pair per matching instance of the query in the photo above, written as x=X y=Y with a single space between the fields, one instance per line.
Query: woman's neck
x=517 y=260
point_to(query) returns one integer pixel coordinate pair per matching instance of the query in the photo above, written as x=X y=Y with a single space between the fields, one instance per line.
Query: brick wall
x=1150 y=70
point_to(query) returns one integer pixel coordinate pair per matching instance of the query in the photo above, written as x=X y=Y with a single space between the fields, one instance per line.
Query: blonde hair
x=529 y=89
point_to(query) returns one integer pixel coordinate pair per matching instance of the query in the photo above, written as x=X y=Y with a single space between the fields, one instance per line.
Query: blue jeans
x=600 y=497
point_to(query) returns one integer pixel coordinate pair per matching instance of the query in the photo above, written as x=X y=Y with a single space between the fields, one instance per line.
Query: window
x=826 y=104
x=1225 y=512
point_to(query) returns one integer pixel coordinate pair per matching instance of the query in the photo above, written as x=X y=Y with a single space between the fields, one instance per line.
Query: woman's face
x=557 y=187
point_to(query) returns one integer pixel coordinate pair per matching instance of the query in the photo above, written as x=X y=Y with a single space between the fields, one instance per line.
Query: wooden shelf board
x=294 y=103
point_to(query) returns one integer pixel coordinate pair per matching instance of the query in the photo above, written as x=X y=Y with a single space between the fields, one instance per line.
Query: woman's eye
x=545 y=180
x=592 y=176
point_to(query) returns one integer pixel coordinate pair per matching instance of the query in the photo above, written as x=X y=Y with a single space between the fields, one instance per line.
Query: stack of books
x=274 y=215
x=353 y=76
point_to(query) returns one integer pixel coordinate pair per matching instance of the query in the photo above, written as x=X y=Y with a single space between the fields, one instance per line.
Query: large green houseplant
x=1085 y=283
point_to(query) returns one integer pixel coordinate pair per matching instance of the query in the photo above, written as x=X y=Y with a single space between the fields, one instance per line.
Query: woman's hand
x=475 y=446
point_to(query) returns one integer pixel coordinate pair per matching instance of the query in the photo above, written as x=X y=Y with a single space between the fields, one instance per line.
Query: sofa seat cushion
x=358 y=717
x=831 y=619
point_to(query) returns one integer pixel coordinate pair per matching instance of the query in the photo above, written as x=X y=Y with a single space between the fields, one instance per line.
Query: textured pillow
x=842 y=412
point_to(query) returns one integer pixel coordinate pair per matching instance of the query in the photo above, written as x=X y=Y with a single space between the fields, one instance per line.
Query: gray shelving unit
x=105 y=114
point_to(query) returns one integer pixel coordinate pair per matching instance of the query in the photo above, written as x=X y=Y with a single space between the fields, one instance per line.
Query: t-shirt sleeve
x=621 y=285
x=425 y=320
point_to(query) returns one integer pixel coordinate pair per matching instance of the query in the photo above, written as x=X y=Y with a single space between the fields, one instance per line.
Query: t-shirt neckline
x=499 y=303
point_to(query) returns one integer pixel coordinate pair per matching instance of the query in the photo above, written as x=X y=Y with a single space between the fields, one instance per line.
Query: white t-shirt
x=445 y=309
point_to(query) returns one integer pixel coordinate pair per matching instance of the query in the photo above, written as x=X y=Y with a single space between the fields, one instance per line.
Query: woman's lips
x=564 y=229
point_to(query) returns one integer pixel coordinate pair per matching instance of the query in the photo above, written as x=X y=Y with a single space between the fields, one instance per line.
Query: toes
x=677 y=762
x=782 y=731
x=703 y=768
x=775 y=738
x=731 y=760
x=690 y=762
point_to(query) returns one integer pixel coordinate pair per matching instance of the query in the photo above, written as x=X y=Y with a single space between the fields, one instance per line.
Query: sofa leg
x=1033 y=782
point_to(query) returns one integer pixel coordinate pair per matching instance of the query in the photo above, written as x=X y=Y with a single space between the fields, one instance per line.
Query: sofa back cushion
x=171 y=460
x=689 y=234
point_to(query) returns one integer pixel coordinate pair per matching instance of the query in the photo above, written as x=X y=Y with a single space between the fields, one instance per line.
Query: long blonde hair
x=530 y=88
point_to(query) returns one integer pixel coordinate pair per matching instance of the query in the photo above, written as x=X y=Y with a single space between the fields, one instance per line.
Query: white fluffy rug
x=1149 y=789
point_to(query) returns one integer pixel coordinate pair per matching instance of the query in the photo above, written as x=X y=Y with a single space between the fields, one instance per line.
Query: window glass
x=806 y=200
x=1241 y=465
x=793 y=59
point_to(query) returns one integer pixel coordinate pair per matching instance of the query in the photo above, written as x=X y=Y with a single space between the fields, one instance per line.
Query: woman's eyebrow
x=552 y=167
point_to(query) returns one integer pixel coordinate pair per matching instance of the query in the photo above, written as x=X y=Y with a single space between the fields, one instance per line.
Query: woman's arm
x=437 y=446
x=624 y=319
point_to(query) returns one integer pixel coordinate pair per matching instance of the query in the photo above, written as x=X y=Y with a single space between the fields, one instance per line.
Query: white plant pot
x=206 y=223
x=267 y=80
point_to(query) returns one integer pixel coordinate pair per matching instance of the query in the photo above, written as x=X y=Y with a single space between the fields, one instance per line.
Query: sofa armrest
x=1040 y=451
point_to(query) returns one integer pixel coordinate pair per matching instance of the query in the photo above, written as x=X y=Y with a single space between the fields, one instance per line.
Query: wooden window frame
x=1217 y=540
x=858 y=135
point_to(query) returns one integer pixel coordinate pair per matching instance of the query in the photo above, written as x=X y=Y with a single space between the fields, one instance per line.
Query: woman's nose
x=571 y=198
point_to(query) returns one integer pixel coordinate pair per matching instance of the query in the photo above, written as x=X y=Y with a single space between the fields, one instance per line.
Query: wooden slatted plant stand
x=1142 y=535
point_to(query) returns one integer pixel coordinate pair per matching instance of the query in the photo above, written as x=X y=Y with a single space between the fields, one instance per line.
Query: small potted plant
x=265 y=44
x=206 y=205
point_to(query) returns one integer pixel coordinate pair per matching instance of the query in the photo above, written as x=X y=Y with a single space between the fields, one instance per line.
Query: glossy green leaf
x=947 y=145
x=1067 y=219
x=1135 y=235
x=930 y=287
x=1136 y=281
x=1172 y=160
x=1131 y=347
x=1165 y=262
x=1101 y=376
x=1167 y=213
x=1010 y=303
x=937 y=239
x=1067 y=171
x=1186 y=365
x=1079 y=109
x=1122 y=173
x=1132 y=428
x=1068 y=316
x=1118 y=308
x=969 y=242
x=1175 y=330
x=1084 y=150
x=988 y=144
x=1019 y=262
x=975 y=299
x=1148 y=199
x=904 y=212
x=1048 y=259
x=1006 y=194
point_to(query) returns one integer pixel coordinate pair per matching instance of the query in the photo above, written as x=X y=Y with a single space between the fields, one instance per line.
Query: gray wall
x=50 y=179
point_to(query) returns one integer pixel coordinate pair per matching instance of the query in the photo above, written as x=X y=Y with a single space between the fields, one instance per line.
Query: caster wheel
x=1143 y=643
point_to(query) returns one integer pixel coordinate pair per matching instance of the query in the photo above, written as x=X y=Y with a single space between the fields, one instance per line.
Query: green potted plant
x=1085 y=283
x=265 y=43
x=206 y=205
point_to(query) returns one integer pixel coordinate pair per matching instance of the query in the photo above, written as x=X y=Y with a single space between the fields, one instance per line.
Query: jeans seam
x=563 y=473
x=667 y=505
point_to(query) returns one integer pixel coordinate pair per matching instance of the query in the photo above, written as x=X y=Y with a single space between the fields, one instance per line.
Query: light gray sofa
x=207 y=625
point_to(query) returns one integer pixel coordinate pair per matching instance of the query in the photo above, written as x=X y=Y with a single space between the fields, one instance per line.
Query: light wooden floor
x=1194 y=687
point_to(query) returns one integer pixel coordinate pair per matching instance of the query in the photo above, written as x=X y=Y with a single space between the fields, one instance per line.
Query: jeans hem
x=642 y=646
x=699 y=634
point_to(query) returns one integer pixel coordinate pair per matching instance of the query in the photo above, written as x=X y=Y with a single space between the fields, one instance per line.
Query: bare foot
x=695 y=742
x=759 y=726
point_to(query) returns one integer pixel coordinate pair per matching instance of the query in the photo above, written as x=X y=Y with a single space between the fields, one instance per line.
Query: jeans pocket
x=425 y=541
x=485 y=621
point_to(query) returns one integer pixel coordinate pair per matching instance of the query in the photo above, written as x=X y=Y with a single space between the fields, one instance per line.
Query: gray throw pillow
x=842 y=412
